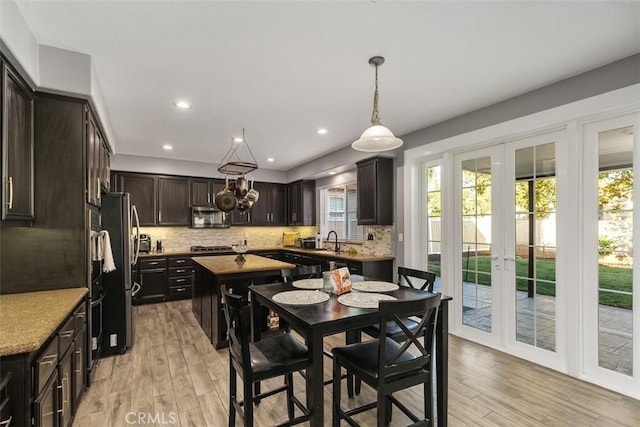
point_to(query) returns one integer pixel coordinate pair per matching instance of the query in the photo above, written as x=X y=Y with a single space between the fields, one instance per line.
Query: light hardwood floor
x=174 y=377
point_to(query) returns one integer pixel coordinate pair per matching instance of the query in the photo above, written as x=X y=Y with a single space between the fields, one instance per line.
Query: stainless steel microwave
x=208 y=217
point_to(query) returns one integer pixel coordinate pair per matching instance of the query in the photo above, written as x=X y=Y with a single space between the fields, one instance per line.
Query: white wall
x=18 y=39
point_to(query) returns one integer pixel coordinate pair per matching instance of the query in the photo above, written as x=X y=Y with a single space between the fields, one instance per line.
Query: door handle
x=10 y=192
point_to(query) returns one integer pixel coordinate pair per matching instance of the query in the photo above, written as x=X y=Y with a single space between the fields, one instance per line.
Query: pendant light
x=376 y=137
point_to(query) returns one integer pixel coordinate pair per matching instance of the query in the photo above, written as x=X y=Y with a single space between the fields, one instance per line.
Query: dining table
x=315 y=321
x=233 y=271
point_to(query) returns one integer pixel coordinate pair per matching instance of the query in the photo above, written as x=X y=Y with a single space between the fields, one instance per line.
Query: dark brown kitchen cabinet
x=142 y=188
x=105 y=166
x=65 y=370
x=46 y=404
x=17 y=147
x=375 y=191
x=240 y=218
x=301 y=198
x=79 y=366
x=203 y=191
x=173 y=201
x=153 y=280
x=270 y=209
x=93 y=160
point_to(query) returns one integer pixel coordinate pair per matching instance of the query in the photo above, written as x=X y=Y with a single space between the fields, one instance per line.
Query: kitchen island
x=215 y=271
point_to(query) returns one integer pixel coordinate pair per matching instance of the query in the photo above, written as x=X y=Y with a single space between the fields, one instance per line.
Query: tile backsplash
x=182 y=238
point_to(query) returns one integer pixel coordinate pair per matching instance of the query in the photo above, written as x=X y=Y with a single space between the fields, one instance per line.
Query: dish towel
x=109 y=264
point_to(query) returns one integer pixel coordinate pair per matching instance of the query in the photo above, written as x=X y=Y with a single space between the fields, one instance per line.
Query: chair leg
x=382 y=410
x=350 y=379
x=428 y=400
x=336 y=393
x=248 y=403
x=388 y=407
x=233 y=394
x=288 y=380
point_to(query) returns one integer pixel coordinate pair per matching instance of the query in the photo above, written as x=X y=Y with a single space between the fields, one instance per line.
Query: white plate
x=300 y=297
x=308 y=284
x=363 y=300
x=374 y=286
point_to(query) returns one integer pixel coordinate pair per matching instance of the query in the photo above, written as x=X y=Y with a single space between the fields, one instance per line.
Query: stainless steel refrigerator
x=119 y=218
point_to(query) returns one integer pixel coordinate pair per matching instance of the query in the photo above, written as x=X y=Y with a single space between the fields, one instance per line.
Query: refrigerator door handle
x=136 y=288
x=134 y=213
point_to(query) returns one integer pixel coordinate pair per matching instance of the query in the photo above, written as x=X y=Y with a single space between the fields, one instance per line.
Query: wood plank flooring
x=173 y=376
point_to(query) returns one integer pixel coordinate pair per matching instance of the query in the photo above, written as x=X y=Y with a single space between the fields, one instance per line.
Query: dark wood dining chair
x=390 y=365
x=279 y=355
x=416 y=279
x=302 y=272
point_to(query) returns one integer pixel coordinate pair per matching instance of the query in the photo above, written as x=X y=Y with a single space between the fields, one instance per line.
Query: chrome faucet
x=337 y=248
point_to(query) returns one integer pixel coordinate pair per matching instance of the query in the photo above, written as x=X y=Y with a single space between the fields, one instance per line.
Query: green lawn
x=611 y=278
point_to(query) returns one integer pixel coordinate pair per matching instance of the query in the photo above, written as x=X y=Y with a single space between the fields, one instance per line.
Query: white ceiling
x=282 y=69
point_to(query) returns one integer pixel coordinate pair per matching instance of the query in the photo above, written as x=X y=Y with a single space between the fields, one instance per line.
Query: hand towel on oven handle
x=109 y=264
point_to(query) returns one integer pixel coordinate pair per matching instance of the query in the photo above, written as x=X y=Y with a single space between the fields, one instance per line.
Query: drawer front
x=355 y=268
x=180 y=271
x=179 y=262
x=152 y=263
x=180 y=291
x=180 y=281
x=46 y=364
x=65 y=336
x=79 y=317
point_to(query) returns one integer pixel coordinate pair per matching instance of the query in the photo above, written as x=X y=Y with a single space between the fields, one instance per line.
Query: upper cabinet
x=173 y=201
x=142 y=188
x=270 y=209
x=203 y=191
x=301 y=197
x=17 y=147
x=375 y=191
x=97 y=160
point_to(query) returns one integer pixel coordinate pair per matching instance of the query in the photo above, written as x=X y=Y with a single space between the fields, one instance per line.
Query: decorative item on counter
x=240 y=248
x=370 y=236
x=352 y=251
x=158 y=245
x=289 y=238
x=318 y=241
x=341 y=280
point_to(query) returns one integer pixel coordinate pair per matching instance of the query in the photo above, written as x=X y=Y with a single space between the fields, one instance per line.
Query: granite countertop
x=227 y=264
x=28 y=319
x=320 y=253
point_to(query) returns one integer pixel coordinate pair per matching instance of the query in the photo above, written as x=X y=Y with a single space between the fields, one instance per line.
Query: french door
x=611 y=292
x=505 y=206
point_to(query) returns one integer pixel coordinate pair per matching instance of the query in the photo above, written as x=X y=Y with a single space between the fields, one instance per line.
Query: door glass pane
x=615 y=250
x=476 y=243
x=434 y=235
x=535 y=278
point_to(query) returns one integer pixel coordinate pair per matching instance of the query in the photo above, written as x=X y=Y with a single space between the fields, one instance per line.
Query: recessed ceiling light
x=332 y=173
x=167 y=147
x=237 y=139
x=270 y=159
x=183 y=105
x=322 y=131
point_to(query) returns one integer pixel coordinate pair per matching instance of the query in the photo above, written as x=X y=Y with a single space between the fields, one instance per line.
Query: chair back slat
x=417 y=279
x=236 y=313
x=302 y=272
x=416 y=355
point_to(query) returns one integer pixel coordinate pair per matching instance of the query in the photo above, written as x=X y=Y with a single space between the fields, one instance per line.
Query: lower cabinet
x=47 y=385
x=164 y=279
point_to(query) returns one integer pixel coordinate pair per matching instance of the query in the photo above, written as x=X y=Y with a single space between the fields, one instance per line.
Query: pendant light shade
x=377 y=137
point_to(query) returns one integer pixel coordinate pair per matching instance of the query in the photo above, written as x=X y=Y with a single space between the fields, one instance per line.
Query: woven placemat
x=300 y=297
x=374 y=286
x=363 y=300
x=308 y=284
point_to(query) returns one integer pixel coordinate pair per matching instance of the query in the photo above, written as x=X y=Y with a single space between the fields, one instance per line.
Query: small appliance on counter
x=308 y=243
x=145 y=243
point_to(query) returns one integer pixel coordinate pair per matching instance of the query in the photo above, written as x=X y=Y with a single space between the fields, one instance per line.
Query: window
x=338 y=212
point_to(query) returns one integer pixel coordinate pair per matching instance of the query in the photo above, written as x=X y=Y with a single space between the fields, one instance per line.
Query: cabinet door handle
x=159 y=216
x=181 y=289
x=49 y=360
x=209 y=198
x=66 y=334
x=6 y=422
x=153 y=263
x=98 y=188
x=180 y=261
x=10 y=192
x=180 y=270
x=181 y=280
